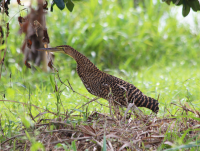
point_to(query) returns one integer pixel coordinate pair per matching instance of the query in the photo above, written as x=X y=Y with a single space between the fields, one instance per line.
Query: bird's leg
x=130 y=105
x=126 y=103
x=115 y=105
x=110 y=100
x=137 y=111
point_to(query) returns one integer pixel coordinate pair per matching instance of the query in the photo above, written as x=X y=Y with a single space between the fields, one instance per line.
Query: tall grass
x=116 y=36
x=123 y=37
x=145 y=46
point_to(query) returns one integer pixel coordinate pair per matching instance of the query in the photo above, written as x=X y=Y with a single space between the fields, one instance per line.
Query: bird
x=104 y=85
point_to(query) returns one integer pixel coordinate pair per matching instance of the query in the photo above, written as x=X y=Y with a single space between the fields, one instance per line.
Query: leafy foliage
x=145 y=46
x=187 y=5
x=61 y=4
x=104 y=30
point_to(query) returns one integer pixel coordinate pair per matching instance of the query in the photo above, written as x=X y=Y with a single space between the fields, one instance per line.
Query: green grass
x=172 y=83
x=123 y=37
x=128 y=43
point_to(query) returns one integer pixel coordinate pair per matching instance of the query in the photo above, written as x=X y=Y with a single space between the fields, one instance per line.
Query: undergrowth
x=145 y=46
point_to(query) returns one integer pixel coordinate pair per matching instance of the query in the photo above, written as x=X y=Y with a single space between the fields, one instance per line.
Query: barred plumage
x=102 y=84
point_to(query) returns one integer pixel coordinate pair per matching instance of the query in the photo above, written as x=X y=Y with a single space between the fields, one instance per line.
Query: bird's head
x=62 y=49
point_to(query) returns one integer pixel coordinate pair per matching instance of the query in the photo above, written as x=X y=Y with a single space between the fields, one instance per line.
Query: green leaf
x=52 y=82
x=3 y=46
x=104 y=143
x=70 y=5
x=26 y=121
x=74 y=146
x=195 y=118
x=37 y=146
x=191 y=144
x=185 y=10
x=60 y=4
x=184 y=134
x=61 y=145
x=194 y=4
x=14 y=144
x=10 y=92
x=28 y=136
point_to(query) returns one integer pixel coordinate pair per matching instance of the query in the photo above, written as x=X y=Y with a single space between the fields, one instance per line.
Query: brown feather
x=100 y=84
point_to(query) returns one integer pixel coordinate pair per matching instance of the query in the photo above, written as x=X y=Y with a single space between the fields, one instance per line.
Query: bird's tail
x=148 y=102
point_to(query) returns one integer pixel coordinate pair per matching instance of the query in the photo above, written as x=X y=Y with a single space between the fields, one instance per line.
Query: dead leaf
x=46 y=37
x=6 y=7
x=50 y=64
x=1 y=31
x=33 y=30
x=19 y=2
x=169 y=143
x=112 y=136
x=27 y=64
x=126 y=144
x=29 y=43
x=6 y=11
x=37 y=25
x=45 y=5
x=87 y=130
x=7 y=26
x=158 y=136
x=152 y=142
x=21 y=20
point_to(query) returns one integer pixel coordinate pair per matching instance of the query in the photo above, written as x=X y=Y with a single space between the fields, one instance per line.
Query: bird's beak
x=54 y=49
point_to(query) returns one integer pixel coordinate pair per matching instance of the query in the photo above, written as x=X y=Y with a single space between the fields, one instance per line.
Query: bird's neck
x=81 y=60
x=72 y=53
x=77 y=56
